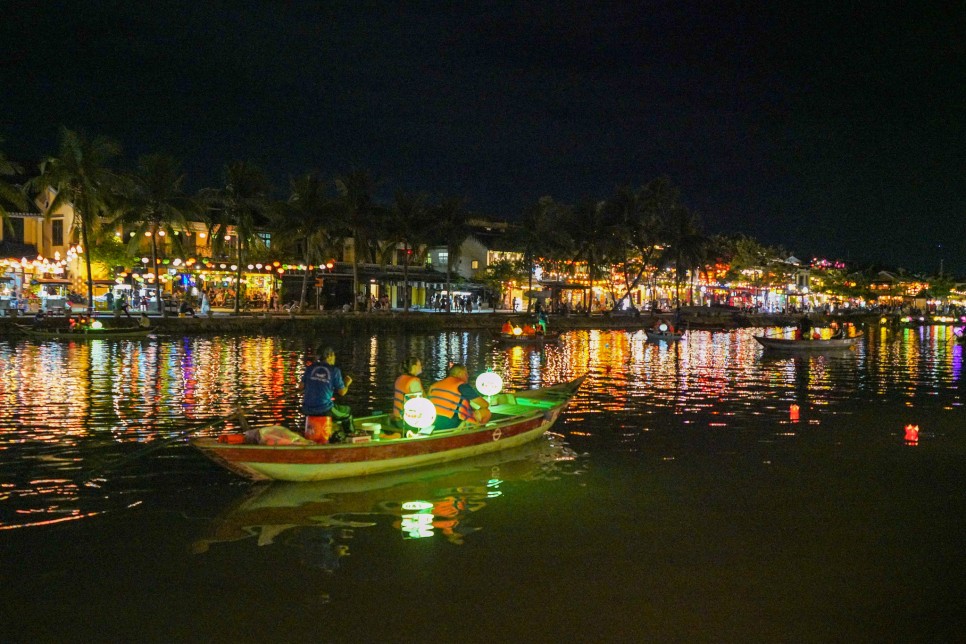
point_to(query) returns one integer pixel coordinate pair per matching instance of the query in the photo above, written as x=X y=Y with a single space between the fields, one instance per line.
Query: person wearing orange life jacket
x=407 y=385
x=528 y=329
x=457 y=401
x=507 y=328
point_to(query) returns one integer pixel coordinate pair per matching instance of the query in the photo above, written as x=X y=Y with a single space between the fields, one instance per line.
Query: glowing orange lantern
x=912 y=434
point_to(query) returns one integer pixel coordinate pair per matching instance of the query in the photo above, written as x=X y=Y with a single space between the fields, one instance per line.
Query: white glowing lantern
x=489 y=383
x=96 y=324
x=419 y=412
x=517 y=331
x=662 y=328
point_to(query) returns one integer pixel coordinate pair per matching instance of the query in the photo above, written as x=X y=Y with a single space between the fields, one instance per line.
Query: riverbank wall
x=418 y=321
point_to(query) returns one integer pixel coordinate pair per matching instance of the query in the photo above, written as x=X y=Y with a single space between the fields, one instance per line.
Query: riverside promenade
x=222 y=321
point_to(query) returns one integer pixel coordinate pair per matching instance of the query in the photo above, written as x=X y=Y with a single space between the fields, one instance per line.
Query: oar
x=156 y=446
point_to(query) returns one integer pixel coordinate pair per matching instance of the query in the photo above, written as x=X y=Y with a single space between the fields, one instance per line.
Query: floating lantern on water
x=489 y=383
x=912 y=434
x=419 y=412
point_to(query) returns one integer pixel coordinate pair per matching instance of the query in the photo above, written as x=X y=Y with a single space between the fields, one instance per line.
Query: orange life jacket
x=403 y=388
x=445 y=395
x=507 y=328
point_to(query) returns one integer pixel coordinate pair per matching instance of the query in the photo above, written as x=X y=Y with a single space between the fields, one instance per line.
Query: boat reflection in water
x=318 y=519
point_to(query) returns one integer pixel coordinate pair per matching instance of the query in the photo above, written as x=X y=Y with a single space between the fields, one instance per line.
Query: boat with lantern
x=551 y=337
x=816 y=344
x=662 y=333
x=435 y=499
x=83 y=332
x=517 y=418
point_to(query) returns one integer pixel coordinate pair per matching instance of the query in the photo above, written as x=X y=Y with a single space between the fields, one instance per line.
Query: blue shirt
x=321 y=381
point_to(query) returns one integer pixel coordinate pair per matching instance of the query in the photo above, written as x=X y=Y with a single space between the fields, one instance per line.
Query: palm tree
x=154 y=205
x=360 y=215
x=242 y=207
x=597 y=241
x=538 y=235
x=452 y=230
x=409 y=223
x=686 y=246
x=9 y=193
x=637 y=221
x=304 y=222
x=80 y=176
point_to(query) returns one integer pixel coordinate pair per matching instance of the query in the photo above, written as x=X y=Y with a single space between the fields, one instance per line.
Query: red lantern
x=912 y=434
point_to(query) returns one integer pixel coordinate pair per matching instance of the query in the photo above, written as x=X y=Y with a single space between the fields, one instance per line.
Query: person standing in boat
x=457 y=401
x=321 y=382
x=407 y=385
x=805 y=326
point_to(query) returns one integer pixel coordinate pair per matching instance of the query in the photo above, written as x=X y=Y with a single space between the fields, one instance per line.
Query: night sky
x=832 y=130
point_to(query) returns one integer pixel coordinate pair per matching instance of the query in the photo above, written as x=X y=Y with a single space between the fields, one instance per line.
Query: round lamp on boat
x=517 y=330
x=96 y=324
x=662 y=327
x=489 y=383
x=419 y=413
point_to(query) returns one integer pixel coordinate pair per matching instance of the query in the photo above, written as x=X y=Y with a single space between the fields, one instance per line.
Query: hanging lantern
x=489 y=383
x=419 y=412
x=662 y=327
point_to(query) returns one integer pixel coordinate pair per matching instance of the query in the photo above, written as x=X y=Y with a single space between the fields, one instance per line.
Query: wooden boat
x=653 y=335
x=551 y=337
x=444 y=496
x=788 y=344
x=518 y=417
x=84 y=333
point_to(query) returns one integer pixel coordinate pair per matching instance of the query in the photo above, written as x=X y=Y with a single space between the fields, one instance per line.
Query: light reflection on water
x=70 y=411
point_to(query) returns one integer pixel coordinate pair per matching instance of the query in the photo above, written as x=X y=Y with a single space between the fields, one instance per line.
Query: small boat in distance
x=550 y=337
x=518 y=418
x=654 y=335
x=789 y=344
x=84 y=333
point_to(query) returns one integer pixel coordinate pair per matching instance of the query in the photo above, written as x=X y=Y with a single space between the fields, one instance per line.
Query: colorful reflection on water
x=78 y=420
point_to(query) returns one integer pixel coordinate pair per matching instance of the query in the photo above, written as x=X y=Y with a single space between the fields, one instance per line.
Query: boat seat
x=512 y=410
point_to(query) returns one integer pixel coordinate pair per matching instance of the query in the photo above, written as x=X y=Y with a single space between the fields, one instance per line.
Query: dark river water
x=678 y=499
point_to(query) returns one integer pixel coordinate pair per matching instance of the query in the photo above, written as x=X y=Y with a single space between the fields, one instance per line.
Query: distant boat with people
x=817 y=344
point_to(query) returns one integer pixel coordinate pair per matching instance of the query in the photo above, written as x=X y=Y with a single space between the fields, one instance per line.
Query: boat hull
x=784 y=344
x=550 y=338
x=84 y=334
x=662 y=337
x=533 y=413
